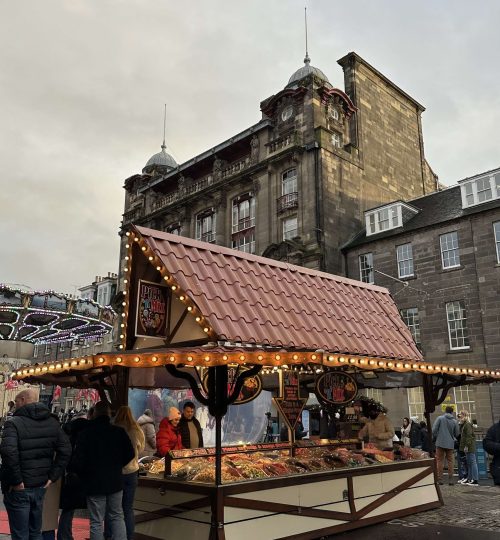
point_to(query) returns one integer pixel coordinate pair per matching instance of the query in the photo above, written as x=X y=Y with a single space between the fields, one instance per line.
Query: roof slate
x=434 y=209
x=255 y=300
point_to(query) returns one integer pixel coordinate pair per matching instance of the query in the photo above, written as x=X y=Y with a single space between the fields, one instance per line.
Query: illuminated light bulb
x=476 y=371
x=37 y=370
x=314 y=357
x=150 y=258
x=278 y=357
x=437 y=368
x=181 y=297
x=122 y=336
x=166 y=278
x=158 y=268
x=172 y=358
x=190 y=308
x=207 y=358
x=469 y=371
x=224 y=357
x=341 y=359
x=127 y=258
x=119 y=360
x=43 y=369
x=362 y=361
x=487 y=372
x=124 y=293
x=371 y=362
x=52 y=367
x=137 y=359
x=389 y=364
x=295 y=357
x=198 y=319
x=74 y=363
x=352 y=360
x=127 y=233
x=143 y=248
x=260 y=358
x=154 y=359
x=120 y=346
x=127 y=245
x=414 y=366
x=101 y=360
x=58 y=366
x=124 y=304
x=125 y=281
x=32 y=370
x=66 y=364
x=206 y=329
x=399 y=365
x=190 y=358
x=242 y=357
x=381 y=364
x=125 y=269
x=464 y=370
x=452 y=369
x=122 y=325
x=174 y=287
x=124 y=315
x=136 y=239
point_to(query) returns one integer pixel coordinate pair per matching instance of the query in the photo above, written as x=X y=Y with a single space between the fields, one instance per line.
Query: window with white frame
x=412 y=320
x=244 y=241
x=35 y=350
x=416 y=403
x=464 y=400
x=480 y=190
x=205 y=226
x=289 y=182
x=373 y=393
x=450 y=254
x=457 y=324
x=388 y=217
x=290 y=228
x=337 y=139
x=405 y=260
x=47 y=349
x=366 y=268
x=496 y=232
x=243 y=212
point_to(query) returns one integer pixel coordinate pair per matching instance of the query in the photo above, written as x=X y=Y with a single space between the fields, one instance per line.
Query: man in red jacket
x=169 y=436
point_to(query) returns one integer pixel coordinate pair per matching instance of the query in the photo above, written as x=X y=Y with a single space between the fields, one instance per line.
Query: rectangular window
x=35 y=350
x=457 y=325
x=464 y=400
x=289 y=182
x=405 y=260
x=496 y=231
x=290 y=228
x=366 y=268
x=450 y=255
x=416 y=403
x=337 y=139
x=412 y=320
x=373 y=393
x=244 y=241
x=47 y=350
x=480 y=190
x=483 y=189
x=389 y=217
x=205 y=227
x=243 y=212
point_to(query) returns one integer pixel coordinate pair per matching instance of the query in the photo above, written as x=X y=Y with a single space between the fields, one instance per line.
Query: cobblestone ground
x=465 y=507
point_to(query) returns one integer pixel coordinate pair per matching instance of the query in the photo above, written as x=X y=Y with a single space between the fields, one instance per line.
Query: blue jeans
x=24 y=509
x=462 y=465
x=472 y=466
x=129 y=487
x=110 y=506
x=65 y=527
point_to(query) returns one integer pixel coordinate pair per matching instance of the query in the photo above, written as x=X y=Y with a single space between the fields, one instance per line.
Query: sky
x=83 y=85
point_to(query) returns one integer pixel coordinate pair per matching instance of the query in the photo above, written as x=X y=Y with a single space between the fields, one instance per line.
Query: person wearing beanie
x=169 y=436
x=147 y=424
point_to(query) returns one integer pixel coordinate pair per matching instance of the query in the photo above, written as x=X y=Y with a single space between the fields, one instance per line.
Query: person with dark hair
x=35 y=452
x=190 y=428
x=491 y=443
x=101 y=452
x=444 y=434
x=425 y=440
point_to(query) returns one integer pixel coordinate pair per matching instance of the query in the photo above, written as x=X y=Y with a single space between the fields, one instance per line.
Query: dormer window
x=388 y=217
x=480 y=189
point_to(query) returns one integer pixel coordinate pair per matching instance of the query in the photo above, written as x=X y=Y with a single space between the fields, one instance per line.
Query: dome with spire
x=306 y=70
x=161 y=162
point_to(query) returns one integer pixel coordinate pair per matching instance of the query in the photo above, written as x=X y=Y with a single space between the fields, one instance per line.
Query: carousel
x=226 y=324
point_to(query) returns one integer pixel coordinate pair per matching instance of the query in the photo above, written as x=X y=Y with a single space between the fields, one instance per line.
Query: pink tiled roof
x=252 y=299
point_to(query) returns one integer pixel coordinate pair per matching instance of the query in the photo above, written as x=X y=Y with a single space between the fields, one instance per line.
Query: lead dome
x=160 y=162
x=306 y=70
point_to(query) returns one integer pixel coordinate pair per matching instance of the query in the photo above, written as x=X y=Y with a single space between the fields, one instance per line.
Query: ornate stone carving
x=255 y=185
x=217 y=169
x=181 y=186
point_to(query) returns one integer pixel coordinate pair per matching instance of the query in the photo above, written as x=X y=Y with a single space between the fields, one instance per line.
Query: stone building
x=439 y=255
x=294 y=186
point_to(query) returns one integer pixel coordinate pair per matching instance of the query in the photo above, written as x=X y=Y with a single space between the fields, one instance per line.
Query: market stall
x=192 y=312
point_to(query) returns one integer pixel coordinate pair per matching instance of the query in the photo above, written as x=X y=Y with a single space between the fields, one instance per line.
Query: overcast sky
x=83 y=83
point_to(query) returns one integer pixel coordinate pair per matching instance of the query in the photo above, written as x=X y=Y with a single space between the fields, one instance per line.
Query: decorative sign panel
x=151 y=317
x=336 y=388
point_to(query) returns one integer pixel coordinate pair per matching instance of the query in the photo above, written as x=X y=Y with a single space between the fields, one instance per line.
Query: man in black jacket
x=191 y=432
x=35 y=452
x=491 y=444
x=101 y=451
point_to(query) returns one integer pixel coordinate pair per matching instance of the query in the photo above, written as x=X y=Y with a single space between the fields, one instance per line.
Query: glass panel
x=449 y=249
x=416 y=403
x=412 y=320
x=496 y=230
x=483 y=189
x=383 y=219
x=366 y=268
x=289 y=182
x=457 y=325
x=469 y=195
x=405 y=260
x=290 y=229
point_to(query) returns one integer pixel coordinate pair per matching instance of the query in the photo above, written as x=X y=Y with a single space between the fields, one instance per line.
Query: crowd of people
x=49 y=470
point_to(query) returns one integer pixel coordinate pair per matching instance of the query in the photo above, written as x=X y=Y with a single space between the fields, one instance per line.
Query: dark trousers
x=129 y=487
x=24 y=509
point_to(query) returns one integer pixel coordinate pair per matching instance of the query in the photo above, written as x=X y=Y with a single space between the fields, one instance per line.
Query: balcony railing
x=133 y=215
x=288 y=202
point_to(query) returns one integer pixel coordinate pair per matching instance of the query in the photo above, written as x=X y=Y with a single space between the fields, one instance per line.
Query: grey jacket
x=445 y=431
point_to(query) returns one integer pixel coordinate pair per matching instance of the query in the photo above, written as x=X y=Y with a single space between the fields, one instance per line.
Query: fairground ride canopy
x=50 y=317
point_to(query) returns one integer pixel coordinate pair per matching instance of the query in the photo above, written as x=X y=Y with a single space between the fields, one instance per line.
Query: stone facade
x=349 y=150
x=476 y=282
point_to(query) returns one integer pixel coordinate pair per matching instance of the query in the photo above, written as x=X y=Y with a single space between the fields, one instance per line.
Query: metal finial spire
x=164 y=146
x=307 y=60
